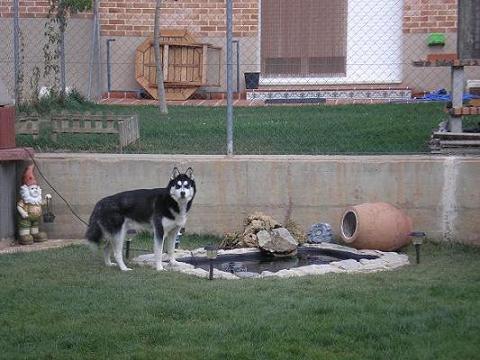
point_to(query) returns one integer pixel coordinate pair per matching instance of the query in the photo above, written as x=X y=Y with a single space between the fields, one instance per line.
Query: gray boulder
x=277 y=241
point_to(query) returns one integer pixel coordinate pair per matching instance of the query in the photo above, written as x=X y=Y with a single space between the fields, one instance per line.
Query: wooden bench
x=126 y=126
x=28 y=125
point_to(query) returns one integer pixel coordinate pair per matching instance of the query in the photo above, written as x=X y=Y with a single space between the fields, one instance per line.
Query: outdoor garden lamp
x=48 y=215
x=418 y=237
x=212 y=252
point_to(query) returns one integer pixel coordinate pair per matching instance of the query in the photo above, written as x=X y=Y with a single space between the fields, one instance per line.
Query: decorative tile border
x=355 y=94
x=385 y=261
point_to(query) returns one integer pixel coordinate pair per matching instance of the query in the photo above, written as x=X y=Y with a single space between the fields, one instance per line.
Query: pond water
x=258 y=262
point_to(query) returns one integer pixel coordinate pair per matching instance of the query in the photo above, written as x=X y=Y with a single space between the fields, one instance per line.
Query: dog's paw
x=127 y=269
x=173 y=262
x=160 y=267
x=111 y=264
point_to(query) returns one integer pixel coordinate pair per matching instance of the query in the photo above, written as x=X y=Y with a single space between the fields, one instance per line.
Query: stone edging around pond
x=385 y=261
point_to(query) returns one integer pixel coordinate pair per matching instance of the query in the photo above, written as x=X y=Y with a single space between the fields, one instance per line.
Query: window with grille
x=303 y=38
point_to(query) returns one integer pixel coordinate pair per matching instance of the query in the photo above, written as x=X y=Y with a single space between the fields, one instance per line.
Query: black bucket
x=251 y=80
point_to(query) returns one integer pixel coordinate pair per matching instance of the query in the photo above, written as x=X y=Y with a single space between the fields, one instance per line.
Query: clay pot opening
x=349 y=226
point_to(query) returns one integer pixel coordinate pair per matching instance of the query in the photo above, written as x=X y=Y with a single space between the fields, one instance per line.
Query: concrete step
x=401 y=94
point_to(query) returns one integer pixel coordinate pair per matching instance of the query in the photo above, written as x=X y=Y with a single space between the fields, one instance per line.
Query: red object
x=442 y=57
x=7 y=127
x=15 y=154
x=28 y=176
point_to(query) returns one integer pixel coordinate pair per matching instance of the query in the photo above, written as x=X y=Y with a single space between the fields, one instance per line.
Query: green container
x=436 y=39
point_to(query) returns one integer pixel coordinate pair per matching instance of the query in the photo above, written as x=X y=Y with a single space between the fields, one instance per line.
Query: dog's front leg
x=158 y=238
x=172 y=235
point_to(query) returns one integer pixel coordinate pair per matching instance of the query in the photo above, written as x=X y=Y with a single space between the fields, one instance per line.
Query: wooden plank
x=457 y=143
x=462 y=62
x=138 y=64
x=76 y=124
x=166 y=49
x=460 y=136
x=177 y=64
x=204 y=61
x=183 y=64
x=456 y=151
x=153 y=70
x=87 y=131
x=464 y=110
x=190 y=65
x=128 y=131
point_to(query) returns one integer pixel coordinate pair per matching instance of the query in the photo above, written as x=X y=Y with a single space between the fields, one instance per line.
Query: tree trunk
x=162 y=103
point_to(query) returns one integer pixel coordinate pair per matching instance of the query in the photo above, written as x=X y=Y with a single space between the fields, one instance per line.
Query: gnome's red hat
x=28 y=176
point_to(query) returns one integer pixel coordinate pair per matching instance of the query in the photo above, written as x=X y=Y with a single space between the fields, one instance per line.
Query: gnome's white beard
x=31 y=195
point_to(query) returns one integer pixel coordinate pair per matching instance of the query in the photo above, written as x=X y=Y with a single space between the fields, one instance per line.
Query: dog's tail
x=94 y=231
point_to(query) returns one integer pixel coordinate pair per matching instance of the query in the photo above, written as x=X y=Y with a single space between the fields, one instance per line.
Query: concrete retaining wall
x=439 y=193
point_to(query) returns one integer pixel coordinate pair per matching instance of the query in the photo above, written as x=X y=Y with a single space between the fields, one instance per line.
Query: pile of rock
x=266 y=233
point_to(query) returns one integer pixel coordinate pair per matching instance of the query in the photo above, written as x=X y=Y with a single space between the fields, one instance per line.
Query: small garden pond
x=257 y=262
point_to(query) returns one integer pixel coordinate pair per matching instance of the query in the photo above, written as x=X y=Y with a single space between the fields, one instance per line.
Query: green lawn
x=64 y=304
x=359 y=129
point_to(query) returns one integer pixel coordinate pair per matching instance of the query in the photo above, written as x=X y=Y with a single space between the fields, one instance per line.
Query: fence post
x=229 y=77
x=62 y=60
x=16 y=50
x=94 y=51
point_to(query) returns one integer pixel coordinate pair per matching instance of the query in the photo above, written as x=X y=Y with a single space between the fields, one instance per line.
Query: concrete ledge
x=49 y=244
x=439 y=193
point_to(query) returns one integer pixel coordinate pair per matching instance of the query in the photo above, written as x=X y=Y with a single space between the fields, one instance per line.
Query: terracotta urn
x=378 y=226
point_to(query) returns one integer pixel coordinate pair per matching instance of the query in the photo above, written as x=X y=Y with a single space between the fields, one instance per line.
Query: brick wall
x=207 y=17
x=202 y=17
x=135 y=18
x=30 y=9
x=424 y=16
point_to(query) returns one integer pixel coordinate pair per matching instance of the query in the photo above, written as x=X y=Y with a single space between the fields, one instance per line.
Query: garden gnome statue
x=30 y=209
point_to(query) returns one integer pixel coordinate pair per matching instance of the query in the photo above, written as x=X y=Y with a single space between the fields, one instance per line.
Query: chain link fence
x=288 y=59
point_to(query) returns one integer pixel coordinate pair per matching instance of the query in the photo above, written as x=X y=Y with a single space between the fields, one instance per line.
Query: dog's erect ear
x=175 y=173
x=189 y=173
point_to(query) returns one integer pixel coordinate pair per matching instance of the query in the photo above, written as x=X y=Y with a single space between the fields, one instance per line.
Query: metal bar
x=458 y=83
x=62 y=61
x=109 y=66
x=93 y=47
x=237 y=44
x=92 y=51
x=16 y=49
x=97 y=54
x=229 y=78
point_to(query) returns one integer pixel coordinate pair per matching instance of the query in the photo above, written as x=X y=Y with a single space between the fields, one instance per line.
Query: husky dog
x=162 y=209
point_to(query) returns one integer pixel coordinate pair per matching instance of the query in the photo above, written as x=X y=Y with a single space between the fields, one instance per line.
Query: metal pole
x=417 y=250
x=458 y=84
x=210 y=272
x=229 y=77
x=97 y=56
x=62 y=61
x=109 y=66
x=16 y=50
x=93 y=48
x=237 y=45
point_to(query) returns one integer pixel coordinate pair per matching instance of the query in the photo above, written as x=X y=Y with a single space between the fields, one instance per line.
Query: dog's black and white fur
x=162 y=209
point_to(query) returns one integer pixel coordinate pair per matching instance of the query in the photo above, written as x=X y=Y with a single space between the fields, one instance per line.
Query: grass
x=360 y=129
x=64 y=304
